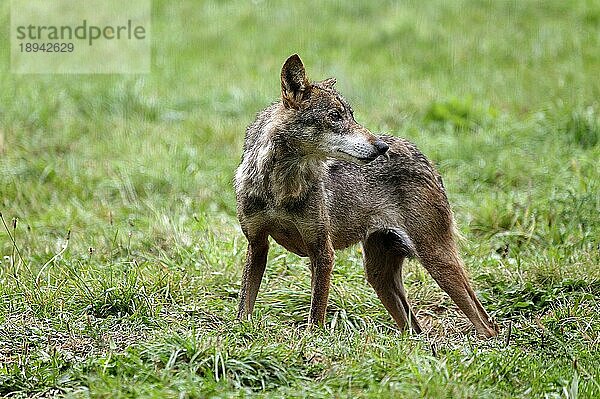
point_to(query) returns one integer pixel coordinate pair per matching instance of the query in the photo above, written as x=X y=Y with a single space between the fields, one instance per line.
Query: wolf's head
x=320 y=122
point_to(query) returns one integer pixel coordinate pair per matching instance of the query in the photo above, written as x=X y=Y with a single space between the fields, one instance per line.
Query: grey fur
x=314 y=180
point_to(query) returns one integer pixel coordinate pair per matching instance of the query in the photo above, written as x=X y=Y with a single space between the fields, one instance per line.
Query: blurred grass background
x=140 y=299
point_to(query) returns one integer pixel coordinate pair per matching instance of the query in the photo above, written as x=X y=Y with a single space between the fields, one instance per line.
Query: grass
x=121 y=255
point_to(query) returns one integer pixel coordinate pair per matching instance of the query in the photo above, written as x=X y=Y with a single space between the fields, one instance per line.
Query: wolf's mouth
x=353 y=158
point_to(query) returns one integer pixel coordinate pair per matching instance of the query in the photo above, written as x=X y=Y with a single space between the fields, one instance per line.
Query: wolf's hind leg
x=254 y=268
x=447 y=270
x=384 y=253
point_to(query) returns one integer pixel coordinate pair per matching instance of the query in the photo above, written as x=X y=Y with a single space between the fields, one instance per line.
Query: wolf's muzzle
x=381 y=146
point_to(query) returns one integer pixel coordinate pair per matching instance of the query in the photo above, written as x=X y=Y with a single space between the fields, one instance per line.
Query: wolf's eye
x=335 y=116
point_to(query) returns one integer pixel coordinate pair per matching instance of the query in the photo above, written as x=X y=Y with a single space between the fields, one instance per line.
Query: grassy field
x=121 y=254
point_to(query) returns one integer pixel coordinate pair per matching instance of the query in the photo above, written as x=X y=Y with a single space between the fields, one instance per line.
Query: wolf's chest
x=282 y=226
x=290 y=238
x=259 y=215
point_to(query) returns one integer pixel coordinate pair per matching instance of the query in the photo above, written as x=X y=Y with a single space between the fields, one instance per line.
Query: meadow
x=121 y=254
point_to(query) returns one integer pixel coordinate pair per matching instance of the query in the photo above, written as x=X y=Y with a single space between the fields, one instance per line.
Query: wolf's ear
x=329 y=82
x=295 y=87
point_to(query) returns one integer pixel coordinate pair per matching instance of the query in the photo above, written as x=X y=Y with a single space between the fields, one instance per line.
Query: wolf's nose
x=381 y=146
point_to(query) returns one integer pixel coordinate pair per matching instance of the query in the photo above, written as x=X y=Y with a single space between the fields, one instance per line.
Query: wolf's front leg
x=321 y=266
x=256 y=260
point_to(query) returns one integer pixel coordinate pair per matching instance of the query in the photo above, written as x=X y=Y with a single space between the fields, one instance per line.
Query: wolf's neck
x=294 y=175
x=275 y=169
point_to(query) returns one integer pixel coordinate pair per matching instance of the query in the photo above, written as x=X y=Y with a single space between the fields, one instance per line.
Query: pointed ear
x=294 y=84
x=329 y=82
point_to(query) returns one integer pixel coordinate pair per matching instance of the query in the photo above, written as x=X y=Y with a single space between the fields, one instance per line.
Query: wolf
x=316 y=181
